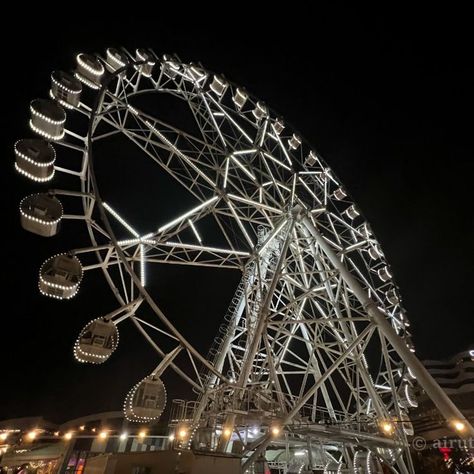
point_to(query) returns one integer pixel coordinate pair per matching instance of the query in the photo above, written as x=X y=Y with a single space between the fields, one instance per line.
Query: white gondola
x=89 y=70
x=34 y=158
x=196 y=74
x=375 y=252
x=65 y=88
x=60 y=276
x=169 y=66
x=294 y=142
x=384 y=274
x=47 y=119
x=407 y=397
x=146 y=401
x=352 y=212
x=41 y=214
x=365 y=230
x=406 y=424
x=392 y=296
x=218 y=85
x=147 y=67
x=367 y=463
x=96 y=342
x=278 y=126
x=115 y=59
x=311 y=159
x=260 y=111
x=339 y=194
x=240 y=98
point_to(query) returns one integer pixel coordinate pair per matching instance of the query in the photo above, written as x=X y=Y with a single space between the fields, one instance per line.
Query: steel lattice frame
x=297 y=345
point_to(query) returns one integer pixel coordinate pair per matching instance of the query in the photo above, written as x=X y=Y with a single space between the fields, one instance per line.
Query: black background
x=386 y=98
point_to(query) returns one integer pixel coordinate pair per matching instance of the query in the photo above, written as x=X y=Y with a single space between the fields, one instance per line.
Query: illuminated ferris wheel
x=315 y=344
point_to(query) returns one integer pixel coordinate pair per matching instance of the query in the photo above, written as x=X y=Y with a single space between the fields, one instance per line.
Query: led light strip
x=121 y=220
x=187 y=214
x=45 y=118
x=242 y=167
x=89 y=68
x=44 y=134
x=32 y=177
x=198 y=237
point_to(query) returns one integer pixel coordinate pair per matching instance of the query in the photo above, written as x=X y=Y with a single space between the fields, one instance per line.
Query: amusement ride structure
x=313 y=365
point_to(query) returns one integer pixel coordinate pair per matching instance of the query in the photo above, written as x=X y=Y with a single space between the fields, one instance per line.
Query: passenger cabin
x=34 y=158
x=66 y=89
x=60 y=276
x=392 y=296
x=115 y=59
x=169 y=66
x=146 y=68
x=147 y=400
x=240 y=98
x=407 y=425
x=218 y=86
x=311 y=159
x=406 y=396
x=352 y=212
x=294 y=142
x=375 y=252
x=97 y=341
x=339 y=194
x=384 y=274
x=89 y=70
x=41 y=214
x=260 y=111
x=278 y=126
x=47 y=119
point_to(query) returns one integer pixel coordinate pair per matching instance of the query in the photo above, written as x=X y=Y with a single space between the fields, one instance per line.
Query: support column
x=257 y=335
x=444 y=404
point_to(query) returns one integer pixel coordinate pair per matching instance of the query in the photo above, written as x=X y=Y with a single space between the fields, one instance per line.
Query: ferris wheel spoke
x=174 y=366
x=155 y=328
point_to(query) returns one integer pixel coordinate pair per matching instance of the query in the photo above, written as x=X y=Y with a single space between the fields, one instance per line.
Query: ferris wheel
x=315 y=344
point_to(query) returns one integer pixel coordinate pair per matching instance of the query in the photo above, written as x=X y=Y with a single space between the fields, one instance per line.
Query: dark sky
x=386 y=99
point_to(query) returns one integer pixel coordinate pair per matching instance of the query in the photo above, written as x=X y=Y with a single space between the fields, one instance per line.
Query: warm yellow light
x=123 y=436
x=56 y=433
x=103 y=434
x=387 y=427
x=82 y=427
x=31 y=435
x=3 y=436
x=171 y=437
x=275 y=430
x=182 y=433
x=93 y=430
x=68 y=435
x=227 y=432
x=459 y=426
x=142 y=434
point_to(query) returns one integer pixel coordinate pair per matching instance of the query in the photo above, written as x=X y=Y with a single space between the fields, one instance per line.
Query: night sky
x=386 y=99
